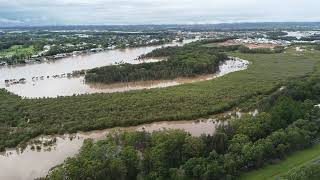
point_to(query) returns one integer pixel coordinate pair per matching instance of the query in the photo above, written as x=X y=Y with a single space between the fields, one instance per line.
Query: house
x=2 y=63
x=58 y=56
x=96 y=50
x=299 y=49
x=22 y=80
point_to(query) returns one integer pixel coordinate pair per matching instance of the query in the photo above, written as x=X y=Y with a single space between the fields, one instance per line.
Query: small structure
x=299 y=49
x=96 y=50
x=22 y=80
x=2 y=63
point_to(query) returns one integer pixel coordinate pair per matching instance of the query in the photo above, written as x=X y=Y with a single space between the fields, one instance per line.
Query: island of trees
x=187 y=61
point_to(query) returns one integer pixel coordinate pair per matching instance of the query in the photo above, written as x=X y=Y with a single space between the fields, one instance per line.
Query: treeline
x=171 y=51
x=181 y=62
x=314 y=37
x=59 y=49
x=282 y=36
x=163 y=52
x=9 y=40
x=276 y=33
x=290 y=124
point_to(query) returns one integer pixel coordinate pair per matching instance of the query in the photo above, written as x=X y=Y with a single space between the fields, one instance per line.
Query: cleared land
x=249 y=45
x=275 y=171
x=22 y=119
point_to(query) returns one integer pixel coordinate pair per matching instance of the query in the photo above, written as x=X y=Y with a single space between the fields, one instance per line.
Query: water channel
x=37 y=159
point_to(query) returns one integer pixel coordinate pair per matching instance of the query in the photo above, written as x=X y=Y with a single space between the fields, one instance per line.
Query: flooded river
x=68 y=65
x=37 y=159
x=53 y=87
x=34 y=162
x=51 y=79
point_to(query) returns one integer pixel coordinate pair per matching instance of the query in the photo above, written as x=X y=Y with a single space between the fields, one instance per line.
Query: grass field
x=190 y=101
x=18 y=50
x=295 y=160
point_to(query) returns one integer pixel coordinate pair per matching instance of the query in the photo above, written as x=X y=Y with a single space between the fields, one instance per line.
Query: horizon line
x=160 y=24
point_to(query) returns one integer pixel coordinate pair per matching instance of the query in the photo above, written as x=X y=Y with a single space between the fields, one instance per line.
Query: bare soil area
x=249 y=45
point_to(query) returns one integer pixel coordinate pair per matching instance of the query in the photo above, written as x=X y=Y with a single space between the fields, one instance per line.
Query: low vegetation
x=17 y=54
x=291 y=168
x=277 y=49
x=307 y=172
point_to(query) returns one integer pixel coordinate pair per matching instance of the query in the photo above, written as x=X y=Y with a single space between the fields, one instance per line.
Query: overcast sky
x=64 y=12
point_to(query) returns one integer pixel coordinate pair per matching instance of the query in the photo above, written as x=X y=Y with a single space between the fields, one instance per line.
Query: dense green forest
x=187 y=61
x=290 y=123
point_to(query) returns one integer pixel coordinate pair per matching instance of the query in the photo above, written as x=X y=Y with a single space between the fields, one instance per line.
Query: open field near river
x=23 y=119
x=294 y=160
x=18 y=51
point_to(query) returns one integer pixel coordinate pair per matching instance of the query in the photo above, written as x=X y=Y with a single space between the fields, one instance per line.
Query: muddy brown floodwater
x=31 y=163
x=65 y=66
x=53 y=87
x=37 y=159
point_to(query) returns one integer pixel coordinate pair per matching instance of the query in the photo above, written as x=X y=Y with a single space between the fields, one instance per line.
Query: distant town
x=28 y=45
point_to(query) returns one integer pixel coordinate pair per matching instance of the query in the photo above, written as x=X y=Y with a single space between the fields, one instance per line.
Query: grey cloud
x=10 y=21
x=156 y=11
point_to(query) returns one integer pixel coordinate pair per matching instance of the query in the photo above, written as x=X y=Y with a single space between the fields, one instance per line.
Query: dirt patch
x=249 y=45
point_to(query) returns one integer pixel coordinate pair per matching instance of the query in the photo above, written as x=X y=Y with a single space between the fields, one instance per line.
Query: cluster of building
x=264 y=41
x=15 y=81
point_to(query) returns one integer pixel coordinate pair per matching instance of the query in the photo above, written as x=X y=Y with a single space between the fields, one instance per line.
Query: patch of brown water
x=37 y=159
